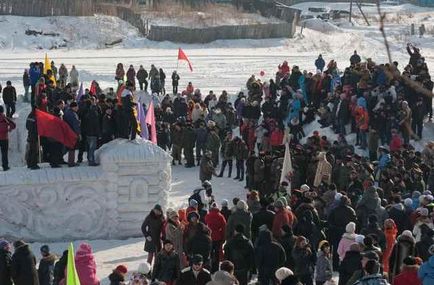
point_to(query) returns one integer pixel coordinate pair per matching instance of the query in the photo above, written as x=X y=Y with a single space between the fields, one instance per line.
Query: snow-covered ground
x=221 y=65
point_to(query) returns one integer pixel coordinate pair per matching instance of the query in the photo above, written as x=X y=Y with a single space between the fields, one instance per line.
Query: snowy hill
x=63 y=32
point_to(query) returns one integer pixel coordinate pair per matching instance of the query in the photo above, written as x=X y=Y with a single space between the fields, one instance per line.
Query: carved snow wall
x=109 y=201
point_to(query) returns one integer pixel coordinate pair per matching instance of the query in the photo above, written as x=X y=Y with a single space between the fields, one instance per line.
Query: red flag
x=150 y=120
x=55 y=128
x=183 y=56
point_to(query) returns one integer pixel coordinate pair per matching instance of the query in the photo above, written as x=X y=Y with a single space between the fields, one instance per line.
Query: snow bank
x=104 y=202
x=320 y=26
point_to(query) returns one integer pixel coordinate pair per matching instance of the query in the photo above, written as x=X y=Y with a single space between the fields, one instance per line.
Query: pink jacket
x=86 y=266
x=344 y=245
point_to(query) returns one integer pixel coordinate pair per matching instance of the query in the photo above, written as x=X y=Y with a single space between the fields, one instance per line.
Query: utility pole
x=351 y=10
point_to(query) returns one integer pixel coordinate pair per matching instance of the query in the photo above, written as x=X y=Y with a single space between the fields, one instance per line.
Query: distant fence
x=206 y=35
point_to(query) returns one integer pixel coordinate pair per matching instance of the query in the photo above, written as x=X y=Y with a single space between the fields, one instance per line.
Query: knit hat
x=4 y=244
x=304 y=188
x=197 y=258
x=423 y=212
x=122 y=269
x=410 y=261
x=407 y=233
x=19 y=243
x=45 y=249
x=242 y=205
x=408 y=202
x=167 y=241
x=193 y=203
x=415 y=194
x=359 y=239
x=144 y=268
x=192 y=214
x=158 y=207
x=338 y=196
x=350 y=228
x=224 y=203
x=171 y=214
x=283 y=273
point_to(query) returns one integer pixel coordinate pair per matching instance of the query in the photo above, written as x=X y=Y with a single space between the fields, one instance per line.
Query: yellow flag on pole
x=71 y=271
x=47 y=66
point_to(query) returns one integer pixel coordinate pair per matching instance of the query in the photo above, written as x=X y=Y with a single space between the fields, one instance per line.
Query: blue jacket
x=426 y=272
x=71 y=118
x=35 y=74
x=383 y=161
x=320 y=63
x=373 y=279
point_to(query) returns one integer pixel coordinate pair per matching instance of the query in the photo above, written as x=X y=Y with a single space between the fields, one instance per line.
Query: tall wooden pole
x=351 y=10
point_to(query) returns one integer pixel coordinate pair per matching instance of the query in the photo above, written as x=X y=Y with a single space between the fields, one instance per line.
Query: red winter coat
x=282 y=217
x=395 y=143
x=6 y=125
x=408 y=276
x=217 y=224
x=276 y=137
x=86 y=266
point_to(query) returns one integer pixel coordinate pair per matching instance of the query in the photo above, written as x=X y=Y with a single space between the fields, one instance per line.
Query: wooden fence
x=39 y=8
x=206 y=35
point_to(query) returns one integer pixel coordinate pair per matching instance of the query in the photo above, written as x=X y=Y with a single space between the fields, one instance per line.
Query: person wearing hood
x=304 y=260
x=269 y=256
x=408 y=273
x=46 y=266
x=73 y=77
x=23 y=265
x=166 y=267
x=348 y=238
x=390 y=232
x=405 y=246
x=117 y=277
x=263 y=217
x=355 y=58
x=174 y=230
x=397 y=213
x=423 y=219
x=323 y=170
x=241 y=216
x=152 y=228
x=370 y=204
x=287 y=240
x=217 y=224
x=323 y=268
x=426 y=270
x=320 y=63
x=373 y=228
x=351 y=263
x=198 y=240
x=5 y=263
x=285 y=276
x=283 y=216
x=86 y=265
x=240 y=251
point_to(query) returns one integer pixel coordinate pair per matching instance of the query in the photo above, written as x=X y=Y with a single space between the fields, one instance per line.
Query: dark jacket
x=23 y=267
x=175 y=79
x=59 y=268
x=263 y=217
x=166 y=267
x=240 y=252
x=304 y=261
x=141 y=75
x=46 y=270
x=71 y=118
x=5 y=267
x=269 y=255
x=9 y=95
x=152 y=227
x=405 y=246
x=92 y=121
x=187 y=277
x=200 y=242
x=351 y=263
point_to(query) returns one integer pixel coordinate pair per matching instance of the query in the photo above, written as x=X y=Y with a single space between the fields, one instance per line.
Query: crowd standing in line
x=364 y=211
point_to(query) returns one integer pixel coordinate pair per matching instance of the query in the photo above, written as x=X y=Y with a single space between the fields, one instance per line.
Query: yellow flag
x=71 y=271
x=47 y=64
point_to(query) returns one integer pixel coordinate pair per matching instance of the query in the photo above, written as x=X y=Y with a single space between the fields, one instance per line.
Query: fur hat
x=407 y=233
x=408 y=202
x=171 y=214
x=359 y=239
x=423 y=212
x=350 y=228
x=193 y=203
x=279 y=204
x=224 y=203
x=283 y=273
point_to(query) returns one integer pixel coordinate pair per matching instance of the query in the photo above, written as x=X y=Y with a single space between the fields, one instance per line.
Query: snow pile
x=63 y=32
x=320 y=26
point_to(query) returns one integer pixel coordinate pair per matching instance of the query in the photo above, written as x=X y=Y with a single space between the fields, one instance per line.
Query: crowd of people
x=364 y=210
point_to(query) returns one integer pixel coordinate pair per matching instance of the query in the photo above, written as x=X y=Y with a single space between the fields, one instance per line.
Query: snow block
x=105 y=202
